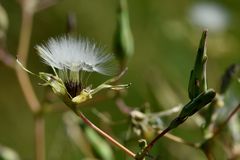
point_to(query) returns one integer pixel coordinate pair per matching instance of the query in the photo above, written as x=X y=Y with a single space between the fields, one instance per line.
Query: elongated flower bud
x=198 y=81
x=193 y=106
x=197 y=103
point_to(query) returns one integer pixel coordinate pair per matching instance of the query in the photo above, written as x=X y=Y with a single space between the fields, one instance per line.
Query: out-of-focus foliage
x=3 y=23
x=8 y=154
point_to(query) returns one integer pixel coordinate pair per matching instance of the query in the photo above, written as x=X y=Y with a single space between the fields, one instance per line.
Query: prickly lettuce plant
x=73 y=59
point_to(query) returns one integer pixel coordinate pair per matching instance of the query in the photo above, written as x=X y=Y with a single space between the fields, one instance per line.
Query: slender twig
x=207 y=150
x=23 y=78
x=225 y=122
x=205 y=145
x=168 y=112
x=106 y=119
x=209 y=155
x=7 y=59
x=180 y=140
x=22 y=53
x=108 y=137
x=145 y=151
x=39 y=124
x=126 y=110
x=151 y=144
x=122 y=106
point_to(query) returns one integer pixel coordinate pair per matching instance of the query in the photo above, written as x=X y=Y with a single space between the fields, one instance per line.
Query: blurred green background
x=166 y=35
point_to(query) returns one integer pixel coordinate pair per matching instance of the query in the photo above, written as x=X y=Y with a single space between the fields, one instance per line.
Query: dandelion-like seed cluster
x=73 y=58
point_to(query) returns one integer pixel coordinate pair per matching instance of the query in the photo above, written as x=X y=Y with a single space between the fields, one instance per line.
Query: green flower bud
x=197 y=103
x=198 y=82
x=192 y=107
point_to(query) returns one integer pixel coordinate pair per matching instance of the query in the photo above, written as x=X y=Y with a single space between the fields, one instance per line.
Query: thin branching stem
x=180 y=140
x=209 y=155
x=206 y=144
x=39 y=124
x=151 y=144
x=225 y=122
x=7 y=59
x=25 y=83
x=108 y=137
x=22 y=53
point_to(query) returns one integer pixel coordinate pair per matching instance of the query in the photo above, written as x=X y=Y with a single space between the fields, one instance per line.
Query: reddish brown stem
x=108 y=137
x=219 y=129
x=150 y=145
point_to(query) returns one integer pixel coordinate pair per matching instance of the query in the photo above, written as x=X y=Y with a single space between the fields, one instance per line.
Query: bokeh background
x=166 y=36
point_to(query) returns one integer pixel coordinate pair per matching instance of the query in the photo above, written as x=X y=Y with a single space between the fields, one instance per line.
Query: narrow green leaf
x=123 y=42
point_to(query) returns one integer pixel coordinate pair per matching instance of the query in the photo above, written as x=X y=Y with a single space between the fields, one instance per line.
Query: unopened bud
x=197 y=103
x=198 y=82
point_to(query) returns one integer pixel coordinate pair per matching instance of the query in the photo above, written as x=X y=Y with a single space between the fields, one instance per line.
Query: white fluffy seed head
x=75 y=54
